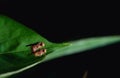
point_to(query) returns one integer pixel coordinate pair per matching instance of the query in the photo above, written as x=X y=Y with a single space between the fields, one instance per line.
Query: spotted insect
x=36 y=49
x=40 y=52
x=37 y=46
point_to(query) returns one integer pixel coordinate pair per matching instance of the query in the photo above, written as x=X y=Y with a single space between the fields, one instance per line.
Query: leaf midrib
x=13 y=52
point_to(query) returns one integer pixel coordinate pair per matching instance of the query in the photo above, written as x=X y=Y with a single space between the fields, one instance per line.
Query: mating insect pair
x=37 y=49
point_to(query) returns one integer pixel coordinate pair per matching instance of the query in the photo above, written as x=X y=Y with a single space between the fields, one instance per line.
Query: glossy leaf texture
x=16 y=56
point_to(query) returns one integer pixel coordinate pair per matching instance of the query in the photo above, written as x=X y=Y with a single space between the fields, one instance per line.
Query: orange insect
x=40 y=52
x=36 y=49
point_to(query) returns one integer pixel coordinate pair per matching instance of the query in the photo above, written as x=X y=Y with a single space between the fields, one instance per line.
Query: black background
x=66 y=21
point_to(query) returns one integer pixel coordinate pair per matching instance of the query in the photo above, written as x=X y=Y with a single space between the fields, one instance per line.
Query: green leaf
x=16 y=56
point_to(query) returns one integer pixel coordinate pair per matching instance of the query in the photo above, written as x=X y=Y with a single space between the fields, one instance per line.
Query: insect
x=40 y=52
x=37 y=49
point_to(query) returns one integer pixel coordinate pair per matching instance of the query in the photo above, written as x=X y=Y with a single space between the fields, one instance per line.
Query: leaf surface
x=16 y=56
